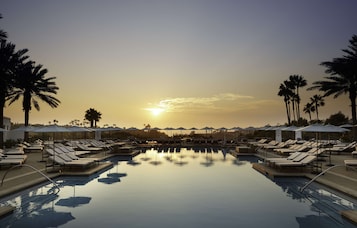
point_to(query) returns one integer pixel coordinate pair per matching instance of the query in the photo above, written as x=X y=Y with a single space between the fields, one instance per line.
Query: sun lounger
x=298 y=158
x=348 y=163
x=77 y=163
x=304 y=162
x=344 y=148
x=11 y=161
x=71 y=157
x=68 y=149
x=258 y=142
x=291 y=156
x=13 y=156
x=16 y=151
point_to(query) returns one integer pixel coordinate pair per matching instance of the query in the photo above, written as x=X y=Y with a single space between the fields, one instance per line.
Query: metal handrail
x=37 y=170
x=320 y=174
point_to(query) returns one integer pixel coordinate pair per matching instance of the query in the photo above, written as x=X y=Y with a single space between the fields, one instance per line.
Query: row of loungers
x=296 y=159
x=12 y=159
x=69 y=159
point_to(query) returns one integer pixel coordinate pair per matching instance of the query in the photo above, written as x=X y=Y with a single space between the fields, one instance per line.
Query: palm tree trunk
x=353 y=110
x=293 y=104
x=2 y=105
x=287 y=112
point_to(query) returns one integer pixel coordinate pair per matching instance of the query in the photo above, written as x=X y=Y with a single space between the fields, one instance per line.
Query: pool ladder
x=35 y=169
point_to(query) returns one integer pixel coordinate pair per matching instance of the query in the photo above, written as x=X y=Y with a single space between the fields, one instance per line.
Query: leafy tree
x=343 y=76
x=286 y=93
x=297 y=82
x=300 y=122
x=30 y=83
x=93 y=116
x=3 y=34
x=309 y=108
x=337 y=119
x=317 y=101
x=10 y=60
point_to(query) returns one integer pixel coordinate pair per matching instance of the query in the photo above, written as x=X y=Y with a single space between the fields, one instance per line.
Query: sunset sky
x=184 y=63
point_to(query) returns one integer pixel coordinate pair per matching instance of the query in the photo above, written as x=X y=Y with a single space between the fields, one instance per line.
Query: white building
x=7 y=123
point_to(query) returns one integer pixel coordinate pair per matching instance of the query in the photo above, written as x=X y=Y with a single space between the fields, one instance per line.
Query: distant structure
x=6 y=126
x=7 y=123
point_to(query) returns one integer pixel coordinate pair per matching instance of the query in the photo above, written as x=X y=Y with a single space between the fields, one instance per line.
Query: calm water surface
x=179 y=189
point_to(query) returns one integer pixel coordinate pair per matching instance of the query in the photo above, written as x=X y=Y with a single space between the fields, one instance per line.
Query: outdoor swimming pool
x=179 y=189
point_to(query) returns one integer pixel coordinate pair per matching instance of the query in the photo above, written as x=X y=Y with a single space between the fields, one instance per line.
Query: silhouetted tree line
x=342 y=79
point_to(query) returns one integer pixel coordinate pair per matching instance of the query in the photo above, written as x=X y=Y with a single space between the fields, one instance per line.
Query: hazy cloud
x=180 y=104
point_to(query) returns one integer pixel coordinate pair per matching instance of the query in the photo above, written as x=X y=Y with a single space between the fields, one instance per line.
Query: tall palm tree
x=30 y=83
x=3 y=34
x=343 y=79
x=10 y=59
x=297 y=82
x=93 y=116
x=309 y=108
x=286 y=93
x=317 y=101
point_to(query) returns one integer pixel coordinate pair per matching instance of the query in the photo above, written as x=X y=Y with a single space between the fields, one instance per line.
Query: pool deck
x=20 y=178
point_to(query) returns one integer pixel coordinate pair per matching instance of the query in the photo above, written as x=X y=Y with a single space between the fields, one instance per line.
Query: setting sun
x=156 y=111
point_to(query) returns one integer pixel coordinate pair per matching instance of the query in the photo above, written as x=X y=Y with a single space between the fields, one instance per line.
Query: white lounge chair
x=304 y=162
x=74 y=163
x=297 y=158
x=348 y=163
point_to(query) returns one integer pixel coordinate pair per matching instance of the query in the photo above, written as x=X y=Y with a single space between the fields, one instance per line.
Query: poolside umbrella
x=169 y=129
x=155 y=163
x=346 y=126
x=73 y=201
x=133 y=162
x=181 y=129
x=319 y=128
x=42 y=198
x=51 y=129
x=44 y=218
x=207 y=129
x=78 y=129
x=109 y=180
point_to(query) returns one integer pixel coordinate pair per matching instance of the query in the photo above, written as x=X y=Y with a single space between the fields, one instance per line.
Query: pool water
x=179 y=188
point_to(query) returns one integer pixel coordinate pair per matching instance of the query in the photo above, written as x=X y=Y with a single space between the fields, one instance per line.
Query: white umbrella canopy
x=290 y=128
x=78 y=129
x=51 y=129
x=322 y=128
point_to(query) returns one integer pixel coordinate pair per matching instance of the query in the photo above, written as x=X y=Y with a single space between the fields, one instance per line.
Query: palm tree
x=343 y=79
x=317 y=101
x=286 y=93
x=9 y=62
x=297 y=82
x=3 y=34
x=309 y=108
x=93 y=116
x=30 y=83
